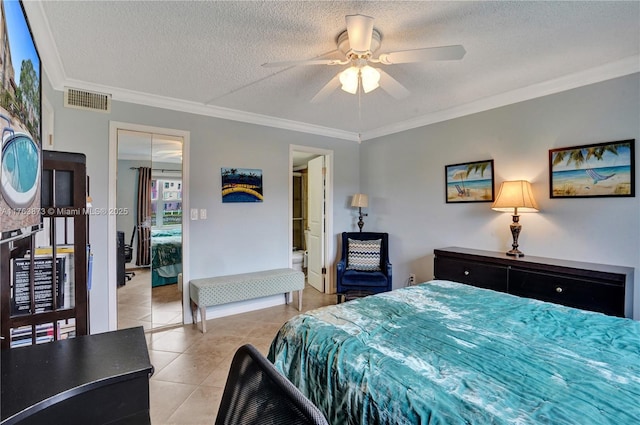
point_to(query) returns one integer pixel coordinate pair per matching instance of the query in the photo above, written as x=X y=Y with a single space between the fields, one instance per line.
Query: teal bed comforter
x=449 y=353
x=166 y=255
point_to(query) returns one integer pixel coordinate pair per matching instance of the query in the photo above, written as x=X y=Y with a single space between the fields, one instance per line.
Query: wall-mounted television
x=20 y=118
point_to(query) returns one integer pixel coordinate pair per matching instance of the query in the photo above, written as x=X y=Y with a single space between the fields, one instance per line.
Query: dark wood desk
x=93 y=379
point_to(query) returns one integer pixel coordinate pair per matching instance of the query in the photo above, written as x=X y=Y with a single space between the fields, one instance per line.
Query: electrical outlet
x=412 y=279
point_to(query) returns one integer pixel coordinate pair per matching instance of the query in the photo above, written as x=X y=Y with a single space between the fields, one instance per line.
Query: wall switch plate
x=203 y=213
x=194 y=213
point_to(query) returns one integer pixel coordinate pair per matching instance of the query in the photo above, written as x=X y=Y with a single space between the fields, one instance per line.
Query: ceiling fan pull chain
x=360 y=109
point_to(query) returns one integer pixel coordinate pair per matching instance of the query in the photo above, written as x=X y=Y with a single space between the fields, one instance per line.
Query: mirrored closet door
x=149 y=230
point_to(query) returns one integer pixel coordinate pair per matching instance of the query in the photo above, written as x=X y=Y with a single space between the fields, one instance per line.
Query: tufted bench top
x=218 y=290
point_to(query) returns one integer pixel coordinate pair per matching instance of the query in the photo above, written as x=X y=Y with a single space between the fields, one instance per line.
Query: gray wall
x=235 y=237
x=404 y=177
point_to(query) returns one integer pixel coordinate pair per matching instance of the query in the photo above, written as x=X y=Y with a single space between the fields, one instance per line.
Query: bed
x=449 y=353
x=166 y=255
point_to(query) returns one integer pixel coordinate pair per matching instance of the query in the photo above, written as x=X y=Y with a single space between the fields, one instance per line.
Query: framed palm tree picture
x=602 y=169
x=469 y=182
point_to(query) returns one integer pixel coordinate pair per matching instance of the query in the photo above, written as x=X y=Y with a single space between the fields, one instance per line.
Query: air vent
x=82 y=99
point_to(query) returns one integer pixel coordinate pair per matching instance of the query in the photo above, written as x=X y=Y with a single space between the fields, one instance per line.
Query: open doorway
x=310 y=215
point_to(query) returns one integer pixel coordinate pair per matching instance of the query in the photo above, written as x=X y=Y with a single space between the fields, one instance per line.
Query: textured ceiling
x=206 y=57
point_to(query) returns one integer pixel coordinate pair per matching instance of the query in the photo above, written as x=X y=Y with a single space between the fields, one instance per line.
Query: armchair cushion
x=354 y=279
x=364 y=255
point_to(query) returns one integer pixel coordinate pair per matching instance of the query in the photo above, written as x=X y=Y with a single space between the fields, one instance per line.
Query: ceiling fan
x=358 y=42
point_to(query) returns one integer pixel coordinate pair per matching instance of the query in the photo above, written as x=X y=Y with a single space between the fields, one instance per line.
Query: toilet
x=299 y=257
x=298 y=260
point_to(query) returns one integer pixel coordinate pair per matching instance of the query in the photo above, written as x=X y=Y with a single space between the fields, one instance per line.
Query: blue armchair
x=358 y=269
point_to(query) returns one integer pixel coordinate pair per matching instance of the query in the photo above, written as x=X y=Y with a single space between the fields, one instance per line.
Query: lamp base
x=515 y=253
x=360 y=221
x=516 y=227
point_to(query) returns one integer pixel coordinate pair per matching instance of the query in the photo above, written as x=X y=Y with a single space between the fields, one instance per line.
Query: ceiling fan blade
x=443 y=53
x=360 y=31
x=392 y=86
x=324 y=92
x=304 y=62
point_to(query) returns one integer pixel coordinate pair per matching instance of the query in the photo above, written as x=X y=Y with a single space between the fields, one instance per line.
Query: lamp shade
x=349 y=79
x=360 y=200
x=515 y=196
x=370 y=78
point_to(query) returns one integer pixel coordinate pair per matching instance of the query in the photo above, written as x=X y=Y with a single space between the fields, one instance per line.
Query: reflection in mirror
x=149 y=195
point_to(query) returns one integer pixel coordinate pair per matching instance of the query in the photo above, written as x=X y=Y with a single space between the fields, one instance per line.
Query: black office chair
x=128 y=255
x=257 y=394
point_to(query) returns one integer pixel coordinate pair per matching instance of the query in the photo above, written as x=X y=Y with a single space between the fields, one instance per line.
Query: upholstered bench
x=218 y=290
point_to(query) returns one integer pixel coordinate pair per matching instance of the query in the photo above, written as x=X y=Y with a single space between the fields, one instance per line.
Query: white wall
x=404 y=177
x=235 y=237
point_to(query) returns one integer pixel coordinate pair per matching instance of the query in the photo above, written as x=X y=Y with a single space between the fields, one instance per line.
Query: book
x=43 y=285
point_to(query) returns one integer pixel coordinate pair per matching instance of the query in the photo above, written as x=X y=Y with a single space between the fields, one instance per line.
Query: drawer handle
x=466 y=272
x=559 y=289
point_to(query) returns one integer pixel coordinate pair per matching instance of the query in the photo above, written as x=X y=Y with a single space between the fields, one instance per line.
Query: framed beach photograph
x=469 y=182
x=597 y=170
x=241 y=185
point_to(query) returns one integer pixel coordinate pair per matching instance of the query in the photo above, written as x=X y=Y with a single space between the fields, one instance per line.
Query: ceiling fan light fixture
x=349 y=79
x=370 y=78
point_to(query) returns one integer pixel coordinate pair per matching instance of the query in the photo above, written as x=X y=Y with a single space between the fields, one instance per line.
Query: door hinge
x=324 y=270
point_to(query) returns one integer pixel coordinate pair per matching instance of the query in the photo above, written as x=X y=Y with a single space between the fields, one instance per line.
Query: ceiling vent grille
x=82 y=99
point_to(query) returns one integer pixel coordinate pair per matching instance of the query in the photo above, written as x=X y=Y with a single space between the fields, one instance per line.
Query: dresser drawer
x=566 y=290
x=472 y=273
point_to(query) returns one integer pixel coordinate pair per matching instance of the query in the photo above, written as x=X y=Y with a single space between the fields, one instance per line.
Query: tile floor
x=190 y=367
x=141 y=305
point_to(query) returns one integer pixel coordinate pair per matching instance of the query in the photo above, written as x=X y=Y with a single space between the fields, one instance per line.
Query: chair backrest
x=133 y=235
x=367 y=236
x=256 y=393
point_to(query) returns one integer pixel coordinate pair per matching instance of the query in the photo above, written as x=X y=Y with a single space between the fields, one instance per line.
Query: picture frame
x=593 y=171
x=241 y=185
x=469 y=182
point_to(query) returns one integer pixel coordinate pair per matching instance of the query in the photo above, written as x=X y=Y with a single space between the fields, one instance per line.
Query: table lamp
x=361 y=201
x=515 y=196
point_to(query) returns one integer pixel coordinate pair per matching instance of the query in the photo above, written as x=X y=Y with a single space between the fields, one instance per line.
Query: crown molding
x=54 y=69
x=626 y=66
x=131 y=96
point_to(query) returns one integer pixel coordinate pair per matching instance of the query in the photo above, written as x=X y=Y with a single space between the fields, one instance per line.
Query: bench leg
x=194 y=312
x=203 y=317
x=300 y=300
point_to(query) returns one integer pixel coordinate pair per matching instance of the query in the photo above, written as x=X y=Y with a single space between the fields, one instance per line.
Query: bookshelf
x=43 y=300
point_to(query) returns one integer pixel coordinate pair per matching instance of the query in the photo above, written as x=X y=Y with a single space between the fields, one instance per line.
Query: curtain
x=143 y=222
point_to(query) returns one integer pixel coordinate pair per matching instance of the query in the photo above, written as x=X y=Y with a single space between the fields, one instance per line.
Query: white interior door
x=316 y=223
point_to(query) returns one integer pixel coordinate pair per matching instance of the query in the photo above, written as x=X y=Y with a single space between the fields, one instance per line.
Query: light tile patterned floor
x=191 y=368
